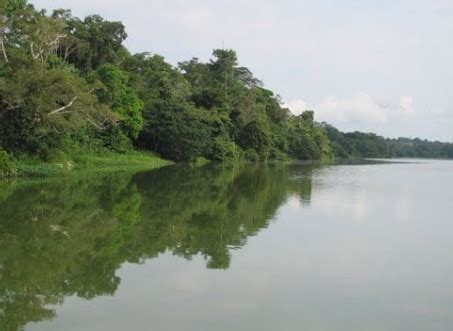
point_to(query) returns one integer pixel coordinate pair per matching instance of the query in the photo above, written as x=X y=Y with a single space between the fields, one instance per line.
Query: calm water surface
x=296 y=247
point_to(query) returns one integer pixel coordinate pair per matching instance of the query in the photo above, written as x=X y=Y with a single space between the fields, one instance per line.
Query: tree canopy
x=67 y=81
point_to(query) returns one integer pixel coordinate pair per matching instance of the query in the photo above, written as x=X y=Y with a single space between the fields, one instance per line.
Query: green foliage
x=121 y=98
x=359 y=144
x=173 y=127
x=181 y=134
x=44 y=101
x=33 y=118
x=74 y=83
x=70 y=84
x=306 y=139
x=116 y=140
x=252 y=155
x=224 y=149
x=251 y=116
x=255 y=136
x=7 y=166
x=90 y=42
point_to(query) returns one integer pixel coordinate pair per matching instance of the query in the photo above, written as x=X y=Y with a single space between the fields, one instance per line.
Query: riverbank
x=104 y=161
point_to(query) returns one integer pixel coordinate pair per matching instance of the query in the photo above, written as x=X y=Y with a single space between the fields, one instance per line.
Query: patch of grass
x=199 y=162
x=138 y=159
x=89 y=161
x=32 y=168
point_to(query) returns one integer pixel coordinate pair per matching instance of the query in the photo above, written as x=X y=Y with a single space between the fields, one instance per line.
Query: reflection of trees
x=69 y=237
x=301 y=181
x=53 y=242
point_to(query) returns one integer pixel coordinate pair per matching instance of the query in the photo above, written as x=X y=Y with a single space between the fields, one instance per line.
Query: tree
x=122 y=99
x=91 y=42
x=40 y=107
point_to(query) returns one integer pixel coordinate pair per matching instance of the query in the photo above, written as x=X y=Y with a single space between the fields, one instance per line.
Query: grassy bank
x=100 y=161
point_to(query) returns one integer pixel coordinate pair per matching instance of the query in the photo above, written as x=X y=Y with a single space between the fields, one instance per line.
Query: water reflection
x=69 y=237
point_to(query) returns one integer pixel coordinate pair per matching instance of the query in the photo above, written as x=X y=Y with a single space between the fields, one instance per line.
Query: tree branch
x=11 y=106
x=4 y=51
x=33 y=52
x=56 y=40
x=56 y=111
x=94 y=123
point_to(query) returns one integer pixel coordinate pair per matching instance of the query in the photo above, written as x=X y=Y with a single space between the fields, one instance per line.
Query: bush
x=251 y=155
x=224 y=149
x=255 y=135
x=7 y=166
x=179 y=134
x=116 y=140
x=277 y=155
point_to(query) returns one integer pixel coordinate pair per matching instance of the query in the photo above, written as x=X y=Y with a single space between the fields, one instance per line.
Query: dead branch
x=35 y=56
x=92 y=122
x=4 y=50
x=59 y=110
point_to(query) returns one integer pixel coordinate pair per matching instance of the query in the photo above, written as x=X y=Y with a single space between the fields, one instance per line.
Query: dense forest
x=69 y=86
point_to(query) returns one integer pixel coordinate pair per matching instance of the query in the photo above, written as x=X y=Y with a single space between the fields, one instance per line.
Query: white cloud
x=433 y=5
x=359 y=108
x=406 y=104
x=297 y=106
x=320 y=47
x=356 y=112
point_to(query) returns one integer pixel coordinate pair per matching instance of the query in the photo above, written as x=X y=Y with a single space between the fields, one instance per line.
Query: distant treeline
x=69 y=85
x=359 y=144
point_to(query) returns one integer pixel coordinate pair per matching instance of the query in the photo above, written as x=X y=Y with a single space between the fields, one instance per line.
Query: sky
x=381 y=66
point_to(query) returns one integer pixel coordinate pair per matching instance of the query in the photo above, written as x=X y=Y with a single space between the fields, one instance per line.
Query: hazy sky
x=370 y=65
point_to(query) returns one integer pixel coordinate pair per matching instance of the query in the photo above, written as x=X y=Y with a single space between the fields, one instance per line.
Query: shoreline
x=85 y=162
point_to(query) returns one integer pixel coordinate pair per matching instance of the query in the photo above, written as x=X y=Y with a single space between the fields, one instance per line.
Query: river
x=354 y=246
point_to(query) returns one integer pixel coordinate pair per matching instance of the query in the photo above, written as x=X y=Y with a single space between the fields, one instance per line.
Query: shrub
x=252 y=156
x=116 y=140
x=224 y=149
x=278 y=155
x=7 y=166
x=255 y=135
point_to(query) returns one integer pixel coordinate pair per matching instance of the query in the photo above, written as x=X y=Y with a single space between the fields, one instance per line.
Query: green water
x=295 y=247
